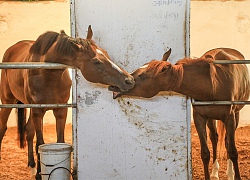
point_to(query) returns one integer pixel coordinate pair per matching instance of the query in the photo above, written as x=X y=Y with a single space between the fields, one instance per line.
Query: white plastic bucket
x=55 y=160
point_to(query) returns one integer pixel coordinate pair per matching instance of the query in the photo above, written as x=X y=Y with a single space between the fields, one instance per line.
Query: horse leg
x=214 y=139
x=6 y=98
x=30 y=133
x=61 y=116
x=37 y=118
x=231 y=123
x=4 y=115
x=230 y=167
x=200 y=124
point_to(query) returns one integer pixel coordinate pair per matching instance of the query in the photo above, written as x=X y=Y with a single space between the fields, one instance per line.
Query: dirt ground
x=242 y=144
x=13 y=165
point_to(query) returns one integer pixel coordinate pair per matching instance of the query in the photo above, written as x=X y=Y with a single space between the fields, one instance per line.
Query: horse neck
x=46 y=73
x=196 y=82
x=60 y=59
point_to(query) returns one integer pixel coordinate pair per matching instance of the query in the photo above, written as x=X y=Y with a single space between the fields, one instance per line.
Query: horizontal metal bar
x=200 y=103
x=194 y=102
x=232 y=62
x=37 y=105
x=33 y=65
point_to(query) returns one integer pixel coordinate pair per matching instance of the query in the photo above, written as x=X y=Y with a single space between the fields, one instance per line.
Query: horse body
x=30 y=86
x=202 y=80
x=50 y=86
x=33 y=86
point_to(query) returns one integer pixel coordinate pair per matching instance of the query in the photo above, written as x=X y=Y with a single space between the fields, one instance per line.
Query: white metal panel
x=132 y=138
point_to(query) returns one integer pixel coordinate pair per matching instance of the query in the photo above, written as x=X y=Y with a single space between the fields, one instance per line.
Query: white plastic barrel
x=55 y=160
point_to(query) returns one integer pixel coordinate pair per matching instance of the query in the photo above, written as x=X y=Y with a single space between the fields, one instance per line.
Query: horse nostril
x=129 y=80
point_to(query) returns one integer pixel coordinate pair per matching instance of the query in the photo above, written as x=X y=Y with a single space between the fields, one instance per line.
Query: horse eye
x=142 y=76
x=163 y=69
x=96 y=61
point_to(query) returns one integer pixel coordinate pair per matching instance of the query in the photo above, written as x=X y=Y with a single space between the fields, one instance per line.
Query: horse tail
x=21 y=122
x=221 y=139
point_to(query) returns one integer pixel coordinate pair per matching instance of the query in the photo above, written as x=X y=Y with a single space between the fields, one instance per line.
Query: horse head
x=148 y=78
x=93 y=61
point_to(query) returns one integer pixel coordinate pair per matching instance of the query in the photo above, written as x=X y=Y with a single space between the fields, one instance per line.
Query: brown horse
x=202 y=80
x=46 y=86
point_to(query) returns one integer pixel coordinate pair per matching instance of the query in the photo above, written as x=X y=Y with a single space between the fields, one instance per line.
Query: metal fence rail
x=34 y=65
x=194 y=102
x=204 y=103
x=232 y=62
x=45 y=65
x=37 y=105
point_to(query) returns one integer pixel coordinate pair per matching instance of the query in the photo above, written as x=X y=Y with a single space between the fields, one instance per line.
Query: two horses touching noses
x=52 y=86
x=198 y=78
x=201 y=80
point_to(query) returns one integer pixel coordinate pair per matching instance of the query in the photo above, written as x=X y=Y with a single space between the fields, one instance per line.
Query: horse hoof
x=33 y=173
x=230 y=170
x=38 y=177
x=214 y=178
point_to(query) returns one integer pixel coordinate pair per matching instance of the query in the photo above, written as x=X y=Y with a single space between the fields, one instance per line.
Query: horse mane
x=65 y=45
x=177 y=72
x=44 y=42
x=214 y=77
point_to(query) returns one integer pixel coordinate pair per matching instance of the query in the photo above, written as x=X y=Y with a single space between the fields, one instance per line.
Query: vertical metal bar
x=188 y=102
x=74 y=93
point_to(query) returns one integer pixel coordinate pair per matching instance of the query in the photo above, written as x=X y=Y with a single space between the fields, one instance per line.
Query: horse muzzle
x=116 y=91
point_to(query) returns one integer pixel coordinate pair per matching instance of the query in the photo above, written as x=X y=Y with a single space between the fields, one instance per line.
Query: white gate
x=132 y=138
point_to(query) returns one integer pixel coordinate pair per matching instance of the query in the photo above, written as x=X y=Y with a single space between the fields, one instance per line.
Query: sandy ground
x=13 y=165
x=27 y=20
x=242 y=144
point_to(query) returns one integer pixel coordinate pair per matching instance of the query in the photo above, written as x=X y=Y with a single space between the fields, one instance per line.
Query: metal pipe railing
x=232 y=62
x=194 y=102
x=37 y=105
x=34 y=65
x=203 y=103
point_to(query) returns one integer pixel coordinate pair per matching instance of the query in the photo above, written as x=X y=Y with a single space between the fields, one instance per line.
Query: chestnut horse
x=202 y=80
x=46 y=86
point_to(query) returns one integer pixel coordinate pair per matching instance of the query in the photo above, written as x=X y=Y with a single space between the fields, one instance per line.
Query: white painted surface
x=132 y=138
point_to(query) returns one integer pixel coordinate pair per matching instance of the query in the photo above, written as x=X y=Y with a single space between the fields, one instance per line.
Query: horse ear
x=62 y=32
x=209 y=57
x=166 y=55
x=90 y=33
